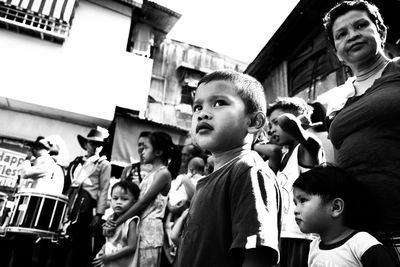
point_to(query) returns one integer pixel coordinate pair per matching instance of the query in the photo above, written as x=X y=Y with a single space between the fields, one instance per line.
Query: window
x=187 y=94
x=141 y=39
x=309 y=65
x=188 y=79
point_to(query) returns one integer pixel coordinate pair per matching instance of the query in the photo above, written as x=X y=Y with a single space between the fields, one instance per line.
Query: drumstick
x=93 y=232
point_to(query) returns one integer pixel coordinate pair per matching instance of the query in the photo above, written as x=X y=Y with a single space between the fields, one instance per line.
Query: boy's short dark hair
x=330 y=182
x=144 y=134
x=346 y=6
x=128 y=186
x=248 y=88
x=294 y=105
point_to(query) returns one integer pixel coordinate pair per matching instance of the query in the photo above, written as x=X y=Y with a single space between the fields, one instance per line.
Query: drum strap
x=80 y=199
x=80 y=202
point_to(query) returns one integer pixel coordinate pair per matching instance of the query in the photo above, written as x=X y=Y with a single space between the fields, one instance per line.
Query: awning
x=41 y=18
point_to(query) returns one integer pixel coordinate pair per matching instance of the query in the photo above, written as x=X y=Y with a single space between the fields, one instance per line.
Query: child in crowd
x=137 y=171
x=189 y=151
x=266 y=146
x=159 y=151
x=173 y=227
x=119 y=249
x=182 y=191
x=234 y=215
x=209 y=167
x=177 y=227
x=318 y=118
x=183 y=186
x=287 y=117
x=327 y=203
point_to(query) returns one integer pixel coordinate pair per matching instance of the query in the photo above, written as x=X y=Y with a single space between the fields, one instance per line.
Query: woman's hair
x=128 y=186
x=171 y=154
x=330 y=182
x=346 y=6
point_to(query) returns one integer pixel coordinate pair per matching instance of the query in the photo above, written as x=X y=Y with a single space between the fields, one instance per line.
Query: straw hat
x=94 y=135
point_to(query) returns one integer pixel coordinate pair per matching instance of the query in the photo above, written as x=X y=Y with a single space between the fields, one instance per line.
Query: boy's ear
x=337 y=207
x=257 y=122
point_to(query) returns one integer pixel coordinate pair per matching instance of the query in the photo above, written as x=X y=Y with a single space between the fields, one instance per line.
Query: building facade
x=299 y=61
x=71 y=65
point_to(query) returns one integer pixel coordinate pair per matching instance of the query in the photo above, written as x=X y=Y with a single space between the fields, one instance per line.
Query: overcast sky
x=239 y=29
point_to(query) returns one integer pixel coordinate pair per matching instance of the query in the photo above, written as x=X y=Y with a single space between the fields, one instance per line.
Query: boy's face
x=278 y=136
x=312 y=214
x=219 y=121
x=121 y=200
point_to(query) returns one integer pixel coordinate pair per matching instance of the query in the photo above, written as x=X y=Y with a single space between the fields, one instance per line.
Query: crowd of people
x=290 y=184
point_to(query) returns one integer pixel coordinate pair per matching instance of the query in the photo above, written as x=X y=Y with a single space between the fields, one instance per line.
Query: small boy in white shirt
x=326 y=204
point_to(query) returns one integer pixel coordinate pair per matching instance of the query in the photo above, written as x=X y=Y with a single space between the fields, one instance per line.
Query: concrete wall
x=89 y=74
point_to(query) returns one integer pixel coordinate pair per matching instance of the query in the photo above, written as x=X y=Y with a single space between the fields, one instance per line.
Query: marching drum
x=37 y=213
x=3 y=203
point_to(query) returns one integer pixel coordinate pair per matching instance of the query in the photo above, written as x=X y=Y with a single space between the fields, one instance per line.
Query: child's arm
x=128 y=250
x=168 y=227
x=35 y=171
x=271 y=152
x=260 y=256
x=98 y=260
x=310 y=150
x=178 y=227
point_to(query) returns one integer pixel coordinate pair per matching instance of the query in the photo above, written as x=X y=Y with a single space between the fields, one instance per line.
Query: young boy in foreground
x=326 y=204
x=234 y=216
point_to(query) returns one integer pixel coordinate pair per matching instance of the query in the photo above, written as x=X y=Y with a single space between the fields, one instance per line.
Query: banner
x=10 y=167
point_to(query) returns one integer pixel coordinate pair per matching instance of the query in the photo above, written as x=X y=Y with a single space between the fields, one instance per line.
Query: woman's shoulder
x=396 y=61
x=392 y=66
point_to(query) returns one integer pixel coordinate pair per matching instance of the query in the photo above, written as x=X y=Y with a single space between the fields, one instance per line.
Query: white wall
x=33 y=126
x=89 y=74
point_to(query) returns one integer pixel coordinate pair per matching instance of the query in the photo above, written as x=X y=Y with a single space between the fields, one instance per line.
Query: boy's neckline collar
x=228 y=156
x=337 y=244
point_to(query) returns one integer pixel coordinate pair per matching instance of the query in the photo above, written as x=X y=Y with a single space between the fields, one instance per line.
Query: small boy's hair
x=194 y=150
x=294 y=105
x=248 y=88
x=330 y=182
x=197 y=164
x=127 y=186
